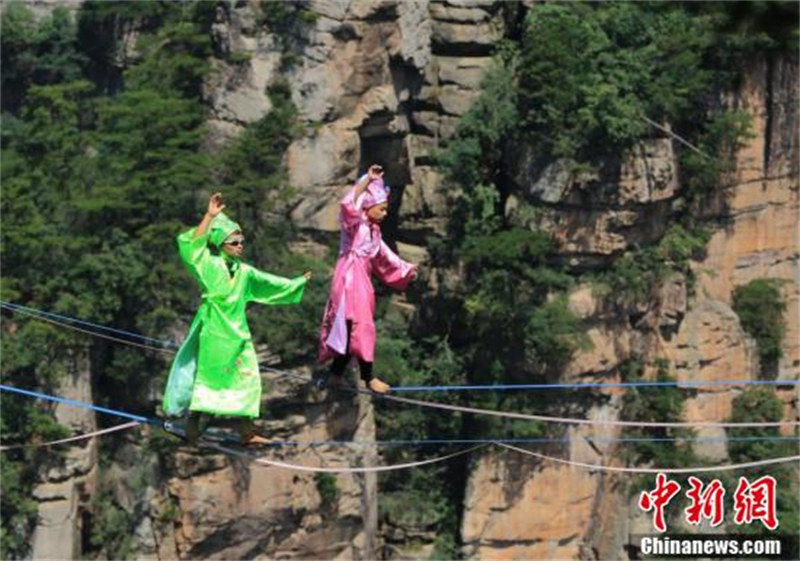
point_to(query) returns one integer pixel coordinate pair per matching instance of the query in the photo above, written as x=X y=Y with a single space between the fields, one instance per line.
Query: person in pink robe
x=348 y=325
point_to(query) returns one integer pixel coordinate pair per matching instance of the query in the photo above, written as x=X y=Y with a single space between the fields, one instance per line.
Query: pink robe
x=362 y=252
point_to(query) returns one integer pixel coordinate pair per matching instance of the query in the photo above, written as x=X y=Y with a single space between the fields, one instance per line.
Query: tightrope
x=71 y=438
x=171 y=427
x=69 y=319
x=82 y=404
x=367 y=469
x=323 y=469
x=598 y=467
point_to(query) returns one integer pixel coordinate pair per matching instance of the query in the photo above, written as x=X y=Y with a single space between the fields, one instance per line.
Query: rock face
x=756 y=235
x=67 y=485
x=226 y=507
x=760 y=212
x=500 y=522
x=593 y=216
x=711 y=346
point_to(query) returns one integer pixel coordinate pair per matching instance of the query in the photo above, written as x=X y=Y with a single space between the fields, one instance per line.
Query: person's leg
x=340 y=362
x=247 y=432
x=195 y=426
x=366 y=370
x=339 y=365
x=375 y=384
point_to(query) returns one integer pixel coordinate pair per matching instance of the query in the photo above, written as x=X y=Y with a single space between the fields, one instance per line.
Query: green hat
x=221 y=228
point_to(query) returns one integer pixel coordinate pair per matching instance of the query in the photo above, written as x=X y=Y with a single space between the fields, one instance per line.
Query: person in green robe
x=215 y=372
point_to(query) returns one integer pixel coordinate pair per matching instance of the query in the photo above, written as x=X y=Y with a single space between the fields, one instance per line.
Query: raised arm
x=349 y=206
x=215 y=206
x=375 y=172
x=193 y=245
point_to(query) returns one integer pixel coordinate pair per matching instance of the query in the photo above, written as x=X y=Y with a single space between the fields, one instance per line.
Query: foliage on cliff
x=761 y=307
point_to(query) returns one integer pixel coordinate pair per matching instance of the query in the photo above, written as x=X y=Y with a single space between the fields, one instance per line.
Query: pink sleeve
x=392 y=270
x=350 y=208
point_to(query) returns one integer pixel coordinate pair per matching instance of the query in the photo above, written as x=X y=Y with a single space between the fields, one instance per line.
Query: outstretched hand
x=215 y=204
x=307 y=275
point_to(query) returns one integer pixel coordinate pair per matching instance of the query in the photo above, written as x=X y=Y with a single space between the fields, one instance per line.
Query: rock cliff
x=387 y=81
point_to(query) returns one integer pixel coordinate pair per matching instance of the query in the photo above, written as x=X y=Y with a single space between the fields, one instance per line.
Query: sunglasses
x=235 y=243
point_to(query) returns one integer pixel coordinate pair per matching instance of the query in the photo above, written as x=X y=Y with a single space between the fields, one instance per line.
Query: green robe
x=216 y=370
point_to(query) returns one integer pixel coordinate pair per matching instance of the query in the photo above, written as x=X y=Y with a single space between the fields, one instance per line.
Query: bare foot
x=255 y=439
x=378 y=386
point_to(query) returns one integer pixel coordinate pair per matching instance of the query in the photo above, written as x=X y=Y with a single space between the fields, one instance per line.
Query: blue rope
x=68 y=319
x=172 y=426
x=82 y=404
x=489 y=387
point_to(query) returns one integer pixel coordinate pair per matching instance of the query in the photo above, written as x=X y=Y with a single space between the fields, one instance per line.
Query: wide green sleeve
x=266 y=288
x=196 y=256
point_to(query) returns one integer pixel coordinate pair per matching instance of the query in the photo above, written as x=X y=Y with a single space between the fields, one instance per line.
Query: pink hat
x=376 y=193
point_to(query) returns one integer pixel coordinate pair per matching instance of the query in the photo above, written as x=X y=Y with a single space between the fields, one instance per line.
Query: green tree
x=655 y=404
x=760 y=307
x=474 y=156
x=36 y=53
x=591 y=72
